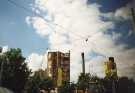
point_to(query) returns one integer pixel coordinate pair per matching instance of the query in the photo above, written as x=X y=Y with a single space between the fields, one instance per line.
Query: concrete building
x=58 y=67
x=110 y=68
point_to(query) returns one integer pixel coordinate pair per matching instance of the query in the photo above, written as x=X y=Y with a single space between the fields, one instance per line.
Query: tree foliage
x=67 y=87
x=92 y=83
x=39 y=81
x=13 y=70
x=83 y=80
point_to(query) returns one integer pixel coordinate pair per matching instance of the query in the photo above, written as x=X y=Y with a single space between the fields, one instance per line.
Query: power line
x=24 y=8
x=29 y=11
x=96 y=48
x=49 y=23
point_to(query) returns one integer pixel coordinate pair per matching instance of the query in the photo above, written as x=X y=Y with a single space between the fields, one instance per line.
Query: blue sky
x=117 y=39
x=16 y=33
x=110 y=5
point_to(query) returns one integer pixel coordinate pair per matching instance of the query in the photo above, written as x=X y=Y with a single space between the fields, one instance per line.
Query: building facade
x=110 y=68
x=58 y=67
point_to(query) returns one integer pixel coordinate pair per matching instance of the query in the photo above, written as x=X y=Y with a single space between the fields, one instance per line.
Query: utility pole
x=83 y=63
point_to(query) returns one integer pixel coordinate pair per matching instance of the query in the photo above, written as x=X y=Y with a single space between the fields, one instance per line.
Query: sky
x=99 y=28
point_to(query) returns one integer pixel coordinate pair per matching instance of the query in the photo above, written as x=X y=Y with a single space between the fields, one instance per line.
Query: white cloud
x=44 y=64
x=35 y=61
x=121 y=14
x=5 y=49
x=40 y=25
x=75 y=21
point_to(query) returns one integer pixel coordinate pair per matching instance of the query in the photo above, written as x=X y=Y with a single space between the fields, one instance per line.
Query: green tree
x=92 y=83
x=14 y=72
x=67 y=87
x=39 y=81
x=83 y=81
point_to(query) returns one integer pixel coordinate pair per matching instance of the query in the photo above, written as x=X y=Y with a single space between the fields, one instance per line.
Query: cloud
x=40 y=25
x=121 y=14
x=5 y=49
x=78 y=27
x=44 y=64
x=35 y=61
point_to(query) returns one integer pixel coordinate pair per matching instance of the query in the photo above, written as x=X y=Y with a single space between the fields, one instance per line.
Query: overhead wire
x=24 y=8
x=96 y=48
x=85 y=40
x=49 y=23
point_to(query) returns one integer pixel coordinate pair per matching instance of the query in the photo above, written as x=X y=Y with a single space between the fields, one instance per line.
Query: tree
x=14 y=72
x=90 y=82
x=67 y=87
x=83 y=81
x=39 y=81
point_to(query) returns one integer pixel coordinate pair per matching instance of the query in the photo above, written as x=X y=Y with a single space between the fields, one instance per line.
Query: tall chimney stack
x=83 y=63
